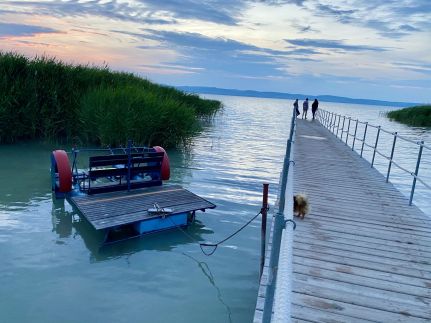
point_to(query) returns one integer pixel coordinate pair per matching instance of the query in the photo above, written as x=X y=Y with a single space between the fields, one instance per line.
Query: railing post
x=338 y=125
x=348 y=130
x=418 y=162
x=363 y=139
x=331 y=124
x=342 y=130
x=375 y=146
x=129 y=162
x=264 y=212
x=392 y=156
x=354 y=136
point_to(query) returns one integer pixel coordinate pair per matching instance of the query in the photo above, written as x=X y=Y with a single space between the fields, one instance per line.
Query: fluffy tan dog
x=300 y=205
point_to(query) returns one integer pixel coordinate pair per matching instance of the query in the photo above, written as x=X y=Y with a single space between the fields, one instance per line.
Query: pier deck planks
x=108 y=210
x=362 y=254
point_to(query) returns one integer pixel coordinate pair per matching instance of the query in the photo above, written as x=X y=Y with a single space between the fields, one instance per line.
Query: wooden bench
x=124 y=171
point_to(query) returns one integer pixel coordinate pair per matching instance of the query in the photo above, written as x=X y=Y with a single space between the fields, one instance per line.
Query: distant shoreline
x=280 y=95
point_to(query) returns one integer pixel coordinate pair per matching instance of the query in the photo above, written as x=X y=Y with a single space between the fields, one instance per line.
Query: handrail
x=278 y=289
x=328 y=120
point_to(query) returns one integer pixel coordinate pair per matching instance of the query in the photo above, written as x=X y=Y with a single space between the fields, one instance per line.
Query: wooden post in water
x=264 y=212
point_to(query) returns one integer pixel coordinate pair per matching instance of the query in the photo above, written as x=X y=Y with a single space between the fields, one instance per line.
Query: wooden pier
x=362 y=254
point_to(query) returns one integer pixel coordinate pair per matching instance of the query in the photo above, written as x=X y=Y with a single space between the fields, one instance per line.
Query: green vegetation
x=44 y=98
x=419 y=116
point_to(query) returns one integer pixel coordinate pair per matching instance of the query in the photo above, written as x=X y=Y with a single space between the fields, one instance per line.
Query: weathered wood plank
x=365 y=272
x=113 y=209
x=318 y=316
x=362 y=253
x=356 y=279
x=331 y=307
x=392 y=253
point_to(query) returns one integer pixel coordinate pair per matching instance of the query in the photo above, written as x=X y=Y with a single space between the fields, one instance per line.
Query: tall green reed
x=43 y=98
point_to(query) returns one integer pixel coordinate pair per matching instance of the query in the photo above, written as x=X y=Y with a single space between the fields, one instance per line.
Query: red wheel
x=64 y=171
x=166 y=170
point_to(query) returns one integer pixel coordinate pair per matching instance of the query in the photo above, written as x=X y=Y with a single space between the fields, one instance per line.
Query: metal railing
x=278 y=289
x=332 y=121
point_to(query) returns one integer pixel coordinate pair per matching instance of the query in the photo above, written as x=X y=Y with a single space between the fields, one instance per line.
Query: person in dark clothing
x=305 y=108
x=314 y=107
x=296 y=107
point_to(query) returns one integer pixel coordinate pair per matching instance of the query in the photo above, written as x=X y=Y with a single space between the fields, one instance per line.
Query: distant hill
x=279 y=95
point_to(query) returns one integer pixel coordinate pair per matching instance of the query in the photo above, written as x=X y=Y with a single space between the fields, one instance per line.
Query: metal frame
x=80 y=179
x=328 y=120
x=282 y=238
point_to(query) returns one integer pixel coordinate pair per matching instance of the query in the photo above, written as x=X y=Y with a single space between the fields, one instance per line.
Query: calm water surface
x=53 y=269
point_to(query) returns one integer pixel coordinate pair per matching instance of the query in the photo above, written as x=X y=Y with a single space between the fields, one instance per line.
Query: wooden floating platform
x=362 y=254
x=115 y=209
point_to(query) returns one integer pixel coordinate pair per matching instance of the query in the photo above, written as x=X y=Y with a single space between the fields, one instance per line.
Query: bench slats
x=123 y=160
x=117 y=165
x=112 y=187
x=106 y=172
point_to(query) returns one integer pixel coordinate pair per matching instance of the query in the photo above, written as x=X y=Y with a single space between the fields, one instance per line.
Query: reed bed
x=44 y=98
x=419 y=116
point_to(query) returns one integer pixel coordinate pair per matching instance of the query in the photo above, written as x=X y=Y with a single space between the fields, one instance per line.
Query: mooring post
x=264 y=212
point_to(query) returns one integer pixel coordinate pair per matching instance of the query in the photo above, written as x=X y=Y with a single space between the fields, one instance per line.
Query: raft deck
x=110 y=210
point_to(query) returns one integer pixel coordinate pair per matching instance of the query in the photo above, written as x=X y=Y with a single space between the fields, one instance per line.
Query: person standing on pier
x=296 y=107
x=305 y=109
x=314 y=107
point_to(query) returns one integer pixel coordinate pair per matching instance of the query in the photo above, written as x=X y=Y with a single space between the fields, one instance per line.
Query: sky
x=374 y=49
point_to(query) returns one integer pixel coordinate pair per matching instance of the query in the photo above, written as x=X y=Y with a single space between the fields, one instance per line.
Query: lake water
x=53 y=270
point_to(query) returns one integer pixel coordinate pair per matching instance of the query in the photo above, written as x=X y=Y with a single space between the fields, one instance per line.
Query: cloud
x=112 y=9
x=218 y=11
x=304 y=28
x=299 y=3
x=143 y=11
x=332 y=44
x=386 y=29
x=343 y=15
x=382 y=16
x=8 y=30
x=221 y=55
x=423 y=68
x=196 y=41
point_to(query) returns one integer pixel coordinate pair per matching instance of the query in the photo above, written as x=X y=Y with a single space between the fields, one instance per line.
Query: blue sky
x=358 y=48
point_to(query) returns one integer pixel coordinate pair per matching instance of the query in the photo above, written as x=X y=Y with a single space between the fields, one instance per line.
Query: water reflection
x=203 y=266
x=68 y=223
